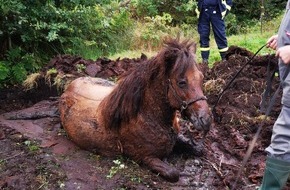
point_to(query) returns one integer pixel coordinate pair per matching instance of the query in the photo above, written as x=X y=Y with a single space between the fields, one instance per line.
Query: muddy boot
x=276 y=174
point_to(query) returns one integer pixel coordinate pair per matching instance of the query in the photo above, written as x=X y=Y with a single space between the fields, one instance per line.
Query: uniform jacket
x=223 y=5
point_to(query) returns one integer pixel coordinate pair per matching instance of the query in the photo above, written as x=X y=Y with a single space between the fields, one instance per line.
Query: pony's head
x=185 y=81
x=173 y=78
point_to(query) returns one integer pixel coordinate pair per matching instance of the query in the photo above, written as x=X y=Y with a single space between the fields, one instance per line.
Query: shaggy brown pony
x=137 y=116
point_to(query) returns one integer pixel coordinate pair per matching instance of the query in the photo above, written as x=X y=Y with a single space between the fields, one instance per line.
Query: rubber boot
x=276 y=174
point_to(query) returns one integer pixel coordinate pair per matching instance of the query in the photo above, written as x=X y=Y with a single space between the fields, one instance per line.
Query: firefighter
x=211 y=13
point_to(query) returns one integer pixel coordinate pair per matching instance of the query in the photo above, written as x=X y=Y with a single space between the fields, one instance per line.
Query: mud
x=36 y=153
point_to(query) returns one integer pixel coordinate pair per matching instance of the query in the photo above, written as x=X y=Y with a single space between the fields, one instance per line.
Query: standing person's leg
x=278 y=160
x=204 y=32
x=219 y=31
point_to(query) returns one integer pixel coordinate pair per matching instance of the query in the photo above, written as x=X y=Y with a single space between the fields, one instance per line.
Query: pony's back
x=78 y=112
x=90 y=88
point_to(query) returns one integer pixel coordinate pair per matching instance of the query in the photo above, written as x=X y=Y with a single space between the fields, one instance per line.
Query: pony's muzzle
x=205 y=121
x=201 y=121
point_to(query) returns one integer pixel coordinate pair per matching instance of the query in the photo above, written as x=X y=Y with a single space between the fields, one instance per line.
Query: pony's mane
x=127 y=98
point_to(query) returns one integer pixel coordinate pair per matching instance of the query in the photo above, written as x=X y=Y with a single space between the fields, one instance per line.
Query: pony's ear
x=192 y=48
x=171 y=55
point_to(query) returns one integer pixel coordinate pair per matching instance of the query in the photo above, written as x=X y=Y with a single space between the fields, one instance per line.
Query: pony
x=137 y=116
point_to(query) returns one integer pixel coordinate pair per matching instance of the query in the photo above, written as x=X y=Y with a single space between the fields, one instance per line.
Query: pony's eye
x=182 y=84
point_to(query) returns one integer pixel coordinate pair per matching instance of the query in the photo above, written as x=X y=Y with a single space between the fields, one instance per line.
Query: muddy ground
x=36 y=153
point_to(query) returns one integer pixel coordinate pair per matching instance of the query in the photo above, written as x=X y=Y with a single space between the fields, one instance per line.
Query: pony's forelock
x=177 y=51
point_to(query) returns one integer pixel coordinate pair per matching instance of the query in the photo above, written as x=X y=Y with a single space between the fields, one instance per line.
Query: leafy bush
x=45 y=28
x=145 y=8
x=15 y=69
x=154 y=27
x=181 y=11
x=232 y=26
x=250 y=12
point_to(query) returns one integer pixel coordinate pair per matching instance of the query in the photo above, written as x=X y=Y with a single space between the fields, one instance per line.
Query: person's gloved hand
x=197 y=12
x=225 y=13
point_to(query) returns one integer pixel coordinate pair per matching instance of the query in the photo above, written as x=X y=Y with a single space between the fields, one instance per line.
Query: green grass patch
x=132 y=54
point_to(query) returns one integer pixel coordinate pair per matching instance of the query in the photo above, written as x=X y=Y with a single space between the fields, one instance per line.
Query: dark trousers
x=211 y=16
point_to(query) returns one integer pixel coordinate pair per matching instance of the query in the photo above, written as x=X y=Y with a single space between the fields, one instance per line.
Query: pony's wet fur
x=137 y=117
x=127 y=98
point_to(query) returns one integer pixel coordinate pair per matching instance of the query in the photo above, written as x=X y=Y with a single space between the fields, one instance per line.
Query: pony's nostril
x=205 y=122
x=201 y=121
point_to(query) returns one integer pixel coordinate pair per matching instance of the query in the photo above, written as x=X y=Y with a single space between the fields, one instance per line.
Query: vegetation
x=32 y=32
x=118 y=165
x=32 y=146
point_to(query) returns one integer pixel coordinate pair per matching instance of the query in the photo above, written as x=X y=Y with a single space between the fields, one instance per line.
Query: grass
x=32 y=145
x=252 y=40
x=132 y=54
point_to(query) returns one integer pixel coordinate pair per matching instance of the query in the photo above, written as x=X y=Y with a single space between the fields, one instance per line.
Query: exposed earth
x=36 y=153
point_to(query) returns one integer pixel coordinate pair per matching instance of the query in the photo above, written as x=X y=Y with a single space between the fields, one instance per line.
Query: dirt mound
x=238 y=117
x=102 y=67
x=239 y=114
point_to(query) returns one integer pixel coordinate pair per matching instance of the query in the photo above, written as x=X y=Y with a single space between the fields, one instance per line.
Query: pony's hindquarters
x=78 y=113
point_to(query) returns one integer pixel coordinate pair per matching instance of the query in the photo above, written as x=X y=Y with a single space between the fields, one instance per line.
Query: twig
x=214 y=165
x=15 y=155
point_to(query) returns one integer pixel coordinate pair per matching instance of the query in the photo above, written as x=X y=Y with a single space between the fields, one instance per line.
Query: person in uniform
x=211 y=13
